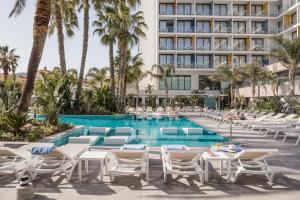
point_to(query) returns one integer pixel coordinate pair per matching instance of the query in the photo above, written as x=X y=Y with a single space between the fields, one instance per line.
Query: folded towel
x=225 y=149
x=176 y=147
x=134 y=146
x=41 y=150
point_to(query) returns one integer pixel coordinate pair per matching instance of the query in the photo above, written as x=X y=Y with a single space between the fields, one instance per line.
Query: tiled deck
x=287 y=184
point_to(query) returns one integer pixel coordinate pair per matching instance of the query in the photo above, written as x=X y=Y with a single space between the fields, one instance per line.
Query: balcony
x=239 y=31
x=186 y=66
x=203 y=66
x=187 y=48
x=222 y=30
x=222 y=48
x=185 y=30
x=239 y=48
x=166 y=12
x=203 y=48
x=258 y=48
x=166 y=30
x=258 y=14
x=166 y=47
x=239 y=13
x=259 y=31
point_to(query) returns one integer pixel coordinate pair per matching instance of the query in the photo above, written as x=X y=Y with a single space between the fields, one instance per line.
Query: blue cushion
x=134 y=146
x=41 y=150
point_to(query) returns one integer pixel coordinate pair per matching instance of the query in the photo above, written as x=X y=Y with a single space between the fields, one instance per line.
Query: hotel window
x=205 y=83
x=203 y=9
x=185 y=26
x=222 y=27
x=176 y=83
x=239 y=61
x=239 y=44
x=184 y=44
x=239 y=27
x=203 y=62
x=239 y=10
x=258 y=44
x=166 y=59
x=221 y=61
x=257 y=10
x=184 y=9
x=166 y=26
x=203 y=26
x=166 y=9
x=279 y=26
x=220 y=10
x=166 y=43
x=294 y=35
x=185 y=61
x=294 y=19
x=203 y=44
x=258 y=27
x=221 y=44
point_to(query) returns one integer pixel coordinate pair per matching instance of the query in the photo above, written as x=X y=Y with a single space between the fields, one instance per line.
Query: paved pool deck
x=286 y=186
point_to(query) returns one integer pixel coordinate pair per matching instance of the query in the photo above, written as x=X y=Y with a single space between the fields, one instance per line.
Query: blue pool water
x=147 y=130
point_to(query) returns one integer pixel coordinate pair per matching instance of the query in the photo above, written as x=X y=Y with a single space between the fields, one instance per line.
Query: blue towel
x=176 y=147
x=225 y=149
x=134 y=146
x=41 y=150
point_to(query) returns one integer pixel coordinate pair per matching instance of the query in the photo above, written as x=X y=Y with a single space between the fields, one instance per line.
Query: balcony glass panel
x=220 y=10
x=185 y=61
x=176 y=83
x=239 y=10
x=222 y=27
x=258 y=44
x=203 y=27
x=239 y=44
x=185 y=26
x=257 y=10
x=203 y=62
x=166 y=26
x=203 y=9
x=204 y=44
x=258 y=28
x=166 y=59
x=239 y=61
x=221 y=44
x=166 y=43
x=184 y=44
x=239 y=27
x=184 y=9
x=221 y=61
x=166 y=9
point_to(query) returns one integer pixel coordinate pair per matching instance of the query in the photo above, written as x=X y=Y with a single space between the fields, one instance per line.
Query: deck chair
x=12 y=161
x=129 y=162
x=252 y=161
x=61 y=159
x=182 y=162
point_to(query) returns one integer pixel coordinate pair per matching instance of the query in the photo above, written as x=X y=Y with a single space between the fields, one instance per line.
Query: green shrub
x=15 y=121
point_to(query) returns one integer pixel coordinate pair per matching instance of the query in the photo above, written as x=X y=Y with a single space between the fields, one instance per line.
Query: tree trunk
x=5 y=73
x=60 y=39
x=86 y=7
x=123 y=65
x=112 y=75
x=40 y=31
x=232 y=96
x=292 y=80
x=253 y=94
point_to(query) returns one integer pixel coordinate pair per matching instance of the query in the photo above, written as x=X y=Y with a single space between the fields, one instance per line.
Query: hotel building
x=198 y=36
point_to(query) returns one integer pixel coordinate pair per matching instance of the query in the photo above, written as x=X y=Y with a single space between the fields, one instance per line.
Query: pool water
x=147 y=130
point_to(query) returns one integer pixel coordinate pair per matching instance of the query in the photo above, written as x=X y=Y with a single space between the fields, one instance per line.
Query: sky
x=17 y=33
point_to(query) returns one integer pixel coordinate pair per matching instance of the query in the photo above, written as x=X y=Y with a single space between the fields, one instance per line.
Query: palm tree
x=232 y=76
x=63 y=17
x=40 y=30
x=134 y=72
x=85 y=4
x=8 y=61
x=130 y=29
x=288 y=53
x=97 y=76
x=104 y=29
x=254 y=73
x=162 y=73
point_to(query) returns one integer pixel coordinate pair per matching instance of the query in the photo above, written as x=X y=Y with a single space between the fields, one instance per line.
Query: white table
x=219 y=156
x=87 y=156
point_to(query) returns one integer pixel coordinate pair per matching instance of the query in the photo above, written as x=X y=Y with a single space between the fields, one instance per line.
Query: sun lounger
x=116 y=140
x=124 y=131
x=182 y=162
x=193 y=131
x=61 y=159
x=160 y=110
x=90 y=140
x=12 y=161
x=169 y=131
x=129 y=161
x=98 y=130
x=252 y=161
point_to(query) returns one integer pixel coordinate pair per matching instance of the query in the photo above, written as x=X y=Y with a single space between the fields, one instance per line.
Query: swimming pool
x=147 y=130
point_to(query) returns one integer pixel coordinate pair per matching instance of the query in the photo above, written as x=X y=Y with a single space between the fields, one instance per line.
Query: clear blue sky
x=17 y=33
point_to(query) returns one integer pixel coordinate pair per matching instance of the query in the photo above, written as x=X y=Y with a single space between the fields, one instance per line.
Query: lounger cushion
x=134 y=146
x=116 y=140
x=176 y=147
x=193 y=131
x=98 y=130
x=84 y=140
x=168 y=131
x=124 y=131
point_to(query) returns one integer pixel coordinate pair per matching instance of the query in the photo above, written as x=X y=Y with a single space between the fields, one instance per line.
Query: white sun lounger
x=116 y=140
x=62 y=159
x=169 y=131
x=193 y=131
x=128 y=162
x=90 y=140
x=99 y=130
x=124 y=131
x=182 y=162
x=252 y=161
x=12 y=161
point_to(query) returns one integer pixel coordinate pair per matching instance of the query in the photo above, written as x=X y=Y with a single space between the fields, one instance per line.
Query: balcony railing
x=259 y=14
x=186 y=30
x=258 y=48
x=222 y=30
x=259 y=31
x=203 y=66
x=222 y=48
x=237 y=13
x=168 y=30
x=204 y=13
x=186 y=66
x=166 y=47
x=239 y=48
x=239 y=31
x=166 y=12
x=185 y=48
x=201 y=48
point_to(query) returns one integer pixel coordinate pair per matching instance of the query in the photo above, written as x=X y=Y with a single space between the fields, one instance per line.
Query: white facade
x=197 y=36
